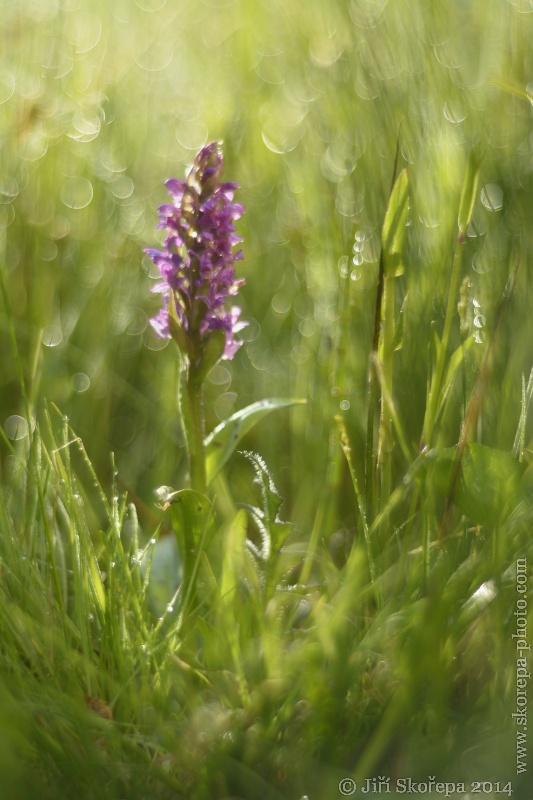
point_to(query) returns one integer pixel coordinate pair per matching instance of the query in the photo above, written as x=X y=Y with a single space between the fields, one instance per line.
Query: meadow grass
x=369 y=633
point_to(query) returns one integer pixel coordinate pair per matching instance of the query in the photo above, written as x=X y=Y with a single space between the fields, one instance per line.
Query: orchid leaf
x=222 y=442
x=190 y=512
x=162 y=569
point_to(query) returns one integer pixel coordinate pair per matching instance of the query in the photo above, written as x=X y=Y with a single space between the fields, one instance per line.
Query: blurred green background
x=101 y=102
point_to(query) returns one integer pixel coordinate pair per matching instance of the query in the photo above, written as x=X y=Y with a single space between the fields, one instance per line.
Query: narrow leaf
x=455 y=361
x=397 y=342
x=393 y=233
x=176 y=331
x=469 y=191
x=212 y=353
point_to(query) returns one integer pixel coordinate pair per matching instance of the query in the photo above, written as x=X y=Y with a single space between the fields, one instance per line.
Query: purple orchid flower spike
x=197 y=263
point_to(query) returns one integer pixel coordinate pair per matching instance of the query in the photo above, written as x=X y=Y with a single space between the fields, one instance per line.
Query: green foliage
x=469 y=192
x=224 y=440
x=393 y=233
x=489 y=486
x=265 y=519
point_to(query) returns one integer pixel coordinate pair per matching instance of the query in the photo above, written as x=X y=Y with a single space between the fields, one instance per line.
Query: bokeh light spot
x=224 y=405
x=281 y=303
x=7 y=86
x=150 y=5
x=220 y=376
x=80 y=382
x=77 y=193
x=86 y=31
x=16 y=427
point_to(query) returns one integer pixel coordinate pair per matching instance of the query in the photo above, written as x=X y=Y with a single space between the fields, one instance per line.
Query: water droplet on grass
x=492 y=197
x=52 y=336
x=342 y=265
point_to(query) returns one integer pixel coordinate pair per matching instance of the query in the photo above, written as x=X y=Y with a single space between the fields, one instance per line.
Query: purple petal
x=160 y=324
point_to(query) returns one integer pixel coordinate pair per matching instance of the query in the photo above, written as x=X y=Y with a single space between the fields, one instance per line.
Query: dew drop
x=343 y=266
x=52 y=336
x=492 y=197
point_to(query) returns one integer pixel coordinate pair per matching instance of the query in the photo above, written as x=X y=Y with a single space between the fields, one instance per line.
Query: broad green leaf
x=234 y=557
x=393 y=233
x=165 y=573
x=190 y=514
x=488 y=483
x=469 y=191
x=222 y=442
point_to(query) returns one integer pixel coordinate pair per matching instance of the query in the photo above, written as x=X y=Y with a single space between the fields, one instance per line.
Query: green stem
x=195 y=391
x=386 y=412
x=192 y=405
x=372 y=400
x=436 y=382
x=347 y=450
